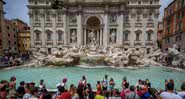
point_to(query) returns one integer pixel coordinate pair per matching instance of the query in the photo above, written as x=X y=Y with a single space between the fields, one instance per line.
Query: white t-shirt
x=168 y=95
x=182 y=94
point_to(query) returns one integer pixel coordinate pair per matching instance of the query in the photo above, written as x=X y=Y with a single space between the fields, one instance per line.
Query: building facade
x=160 y=33
x=24 y=41
x=174 y=25
x=2 y=28
x=101 y=23
x=11 y=37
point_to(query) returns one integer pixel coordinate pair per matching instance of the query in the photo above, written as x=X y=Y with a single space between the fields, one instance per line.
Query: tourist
x=125 y=91
x=27 y=94
x=182 y=93
x=124 y=82
x=99 y=95
x=61 y=90
x=84 y=81
x=41 y=84
x=45 y=94
x=166 y=83
x=34 y=93
x=80 y=90
x=69 y=94
x=12 y=87
x=169 y=94
x=132 y=94
x=115 y=94
x=89 y=92
x=32 y=85
x=20 y=90
x=111 y=84
x=145 y=93
x=75 y=94
x=63 y=83
x=98 y=86
x=3 y=92
x=139 y=84
x=105 y=83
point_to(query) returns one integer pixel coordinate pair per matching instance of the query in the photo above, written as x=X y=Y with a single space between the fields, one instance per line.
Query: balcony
x=138 y=24
x=149 y=43
x=38 y=42
x=48 y=24
x=137 y=43
x=126 y=43
x=37 y=24
x=60 y=42
x=49 y=42
x=59 y=24
x=150 y=24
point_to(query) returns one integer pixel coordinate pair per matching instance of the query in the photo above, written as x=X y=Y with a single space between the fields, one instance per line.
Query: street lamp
x=57 y=4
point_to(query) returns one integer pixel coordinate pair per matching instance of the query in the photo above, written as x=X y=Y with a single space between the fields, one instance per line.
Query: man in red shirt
x=69 y=94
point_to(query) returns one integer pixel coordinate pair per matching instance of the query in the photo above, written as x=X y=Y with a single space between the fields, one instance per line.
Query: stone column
x=54 y=34
x=85 y=40
x=43 y=35
x=79 y=29
x=65 y=29
x=101 y=36
x=119 y=38
x=106 y=31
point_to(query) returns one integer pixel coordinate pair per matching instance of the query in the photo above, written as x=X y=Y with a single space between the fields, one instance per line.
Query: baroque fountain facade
x=96 y=32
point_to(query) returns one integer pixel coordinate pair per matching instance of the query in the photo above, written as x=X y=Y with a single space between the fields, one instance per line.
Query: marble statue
x=92 y=38
x=73 y=19
x=73 y=37
x=113 y=37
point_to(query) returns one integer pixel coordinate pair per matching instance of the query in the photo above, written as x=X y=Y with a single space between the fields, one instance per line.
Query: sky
x=18 y=9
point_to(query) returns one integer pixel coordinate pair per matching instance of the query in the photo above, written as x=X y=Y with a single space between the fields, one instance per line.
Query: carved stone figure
x=113 y=37
x=113 y=19
x=92 y=38
x=72 y=19
x=73 y=37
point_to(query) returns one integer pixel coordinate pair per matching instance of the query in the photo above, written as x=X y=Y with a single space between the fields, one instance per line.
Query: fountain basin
x=53 y=75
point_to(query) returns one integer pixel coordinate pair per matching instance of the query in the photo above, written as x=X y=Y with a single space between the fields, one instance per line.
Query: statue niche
x=73 y=36
x=112 y=36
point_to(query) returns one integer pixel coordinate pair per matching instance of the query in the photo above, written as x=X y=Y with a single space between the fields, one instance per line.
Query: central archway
x=93 y=31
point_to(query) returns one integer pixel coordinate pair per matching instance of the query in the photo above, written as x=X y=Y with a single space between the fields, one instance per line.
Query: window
x=126 y=36
x=137 y=36
x=37 y=36
x=48 y=16
x=9 y=42
x=15 y=48
x=128 y=2
x=178 y=38
x=14 y=36
x=15 y=43
x=10 y=48
x=36 y=2
x=149 y=36
x=47 y=3
x=167 y=40
x=151 y=2
x=8 y=27
x=0 y=43
x=59 y=36
x=59 y=17
x=14 y=29
x=8 y=34
x=36 y=16
x=49 y=36
x=139 y=2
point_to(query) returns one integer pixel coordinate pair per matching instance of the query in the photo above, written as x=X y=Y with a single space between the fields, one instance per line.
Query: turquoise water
x=52 y=76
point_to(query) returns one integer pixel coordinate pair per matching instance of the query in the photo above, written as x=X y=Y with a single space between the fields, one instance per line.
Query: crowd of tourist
x=105 y=89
